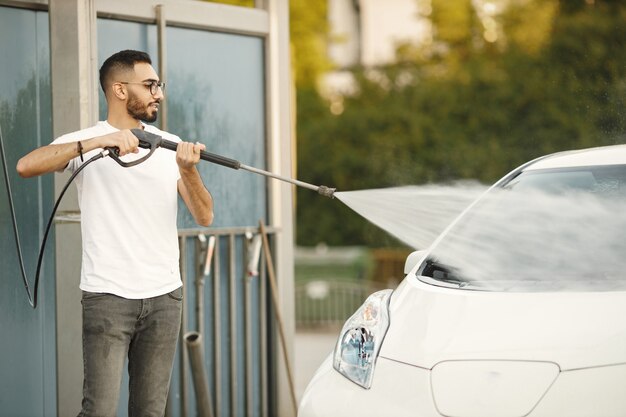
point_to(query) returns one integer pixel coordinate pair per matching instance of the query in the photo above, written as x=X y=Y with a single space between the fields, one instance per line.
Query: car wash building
x=227 y=74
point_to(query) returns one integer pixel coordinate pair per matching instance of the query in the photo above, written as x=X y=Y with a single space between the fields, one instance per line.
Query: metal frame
x=280 y=153
x=228 y=236
x=31 y=4
x=190 y=14
x=161 y=23
x=73 y=60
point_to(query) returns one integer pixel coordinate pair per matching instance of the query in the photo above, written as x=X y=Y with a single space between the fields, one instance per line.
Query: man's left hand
x=188 y=154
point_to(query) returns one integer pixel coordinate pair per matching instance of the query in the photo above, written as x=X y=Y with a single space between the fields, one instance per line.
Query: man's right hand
x=124 y=140
x=51 y=158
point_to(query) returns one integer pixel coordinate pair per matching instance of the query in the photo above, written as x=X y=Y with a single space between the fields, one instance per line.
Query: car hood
x=431 y=324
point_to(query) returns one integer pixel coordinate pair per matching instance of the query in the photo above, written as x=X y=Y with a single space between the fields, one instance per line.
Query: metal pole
x=263 y=337
x=217 y=317
x=321 y=189
x=199 y=281
x=233 y=325
x=193 y=340
x=203 y=271
x=162 y=51
x=183 y=329
x=248 y=333
x=160 y=17
x=277 y=312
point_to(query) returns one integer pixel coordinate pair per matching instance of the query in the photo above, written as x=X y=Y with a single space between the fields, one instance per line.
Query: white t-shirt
x=128 y=219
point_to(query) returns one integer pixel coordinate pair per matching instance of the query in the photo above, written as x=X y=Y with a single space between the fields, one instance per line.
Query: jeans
x=147 y=331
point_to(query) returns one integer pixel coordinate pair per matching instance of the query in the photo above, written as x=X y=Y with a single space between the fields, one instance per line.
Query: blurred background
x=410 y=92
x=401 y=92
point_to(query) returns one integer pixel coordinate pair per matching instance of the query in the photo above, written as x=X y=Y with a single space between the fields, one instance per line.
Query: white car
x=517 y=309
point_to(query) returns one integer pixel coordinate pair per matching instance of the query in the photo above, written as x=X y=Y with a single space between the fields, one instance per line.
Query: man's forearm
x=50 y=158
x=196 y=196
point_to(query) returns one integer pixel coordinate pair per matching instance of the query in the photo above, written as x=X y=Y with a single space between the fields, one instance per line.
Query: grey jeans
x=147 y=331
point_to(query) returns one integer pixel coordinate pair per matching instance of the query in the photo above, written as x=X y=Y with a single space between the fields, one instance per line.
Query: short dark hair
x=124 y=61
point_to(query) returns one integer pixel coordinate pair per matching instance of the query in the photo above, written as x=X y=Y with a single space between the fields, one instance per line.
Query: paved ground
x=311 y=348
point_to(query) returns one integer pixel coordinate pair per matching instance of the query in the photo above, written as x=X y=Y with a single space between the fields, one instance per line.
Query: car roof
x=605 y=155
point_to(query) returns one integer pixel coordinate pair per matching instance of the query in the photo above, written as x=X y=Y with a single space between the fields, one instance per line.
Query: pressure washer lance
x=151 y=141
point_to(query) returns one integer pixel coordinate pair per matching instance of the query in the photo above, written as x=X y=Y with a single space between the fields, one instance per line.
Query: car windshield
x=552 y=229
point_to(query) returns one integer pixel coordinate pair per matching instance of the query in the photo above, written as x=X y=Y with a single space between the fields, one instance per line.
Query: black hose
x=32 y=296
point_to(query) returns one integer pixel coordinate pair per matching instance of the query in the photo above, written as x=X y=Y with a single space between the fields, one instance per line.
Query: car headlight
x=360 y=339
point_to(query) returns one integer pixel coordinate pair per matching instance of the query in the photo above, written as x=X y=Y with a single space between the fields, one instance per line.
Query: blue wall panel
x=216 y=96
x=27 y=336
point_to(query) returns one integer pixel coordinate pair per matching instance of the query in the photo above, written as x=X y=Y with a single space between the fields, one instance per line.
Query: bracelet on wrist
x=79 y=149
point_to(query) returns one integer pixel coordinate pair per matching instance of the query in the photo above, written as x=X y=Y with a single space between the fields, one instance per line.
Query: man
x=132 y=291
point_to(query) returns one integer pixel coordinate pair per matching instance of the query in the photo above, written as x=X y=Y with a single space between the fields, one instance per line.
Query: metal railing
x=227 y=304
x=326 y=303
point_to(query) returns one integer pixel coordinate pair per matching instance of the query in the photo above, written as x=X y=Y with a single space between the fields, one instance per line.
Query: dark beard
x=138 y=110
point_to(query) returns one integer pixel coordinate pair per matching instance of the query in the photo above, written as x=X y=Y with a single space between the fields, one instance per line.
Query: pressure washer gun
x=151 y=141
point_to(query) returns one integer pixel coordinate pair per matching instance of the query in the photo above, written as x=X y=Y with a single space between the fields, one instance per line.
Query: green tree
x=309 y=36
x=474 y=109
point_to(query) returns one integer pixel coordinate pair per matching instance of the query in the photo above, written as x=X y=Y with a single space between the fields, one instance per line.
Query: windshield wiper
x=436 y=273
x=448 y=283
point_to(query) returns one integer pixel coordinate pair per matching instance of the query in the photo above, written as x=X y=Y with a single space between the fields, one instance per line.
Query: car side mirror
x=413 y=259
